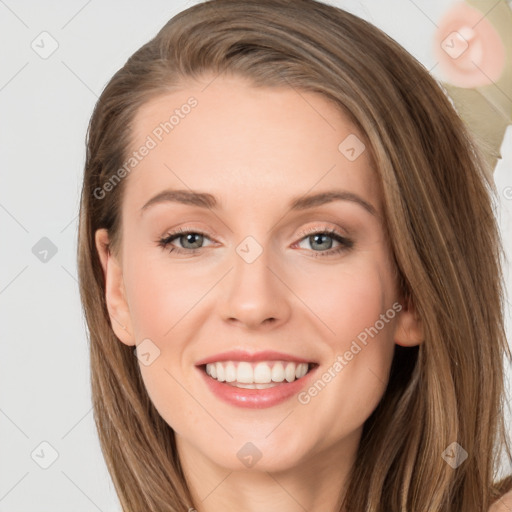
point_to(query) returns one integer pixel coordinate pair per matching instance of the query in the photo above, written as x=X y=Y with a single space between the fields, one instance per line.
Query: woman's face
x=285 y=261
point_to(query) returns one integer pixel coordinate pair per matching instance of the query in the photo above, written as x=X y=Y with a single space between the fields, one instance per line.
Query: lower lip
x=256 y=398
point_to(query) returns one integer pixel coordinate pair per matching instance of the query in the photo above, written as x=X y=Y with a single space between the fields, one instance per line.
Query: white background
x=45 y=106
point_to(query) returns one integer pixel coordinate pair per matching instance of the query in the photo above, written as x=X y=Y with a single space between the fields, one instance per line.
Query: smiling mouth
x=257 y=375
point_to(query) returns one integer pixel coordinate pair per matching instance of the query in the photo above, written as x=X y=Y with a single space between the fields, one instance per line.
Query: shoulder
x=503 y=504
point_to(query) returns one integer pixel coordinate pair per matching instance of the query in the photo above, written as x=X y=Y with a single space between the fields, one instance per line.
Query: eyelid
x=190 y=229
x=305 y=232
x=176 y=233
x=344 y=242
x=336 y=233
x=321 y=229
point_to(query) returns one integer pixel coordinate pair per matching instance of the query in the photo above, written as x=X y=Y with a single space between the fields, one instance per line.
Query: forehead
x=253 y=143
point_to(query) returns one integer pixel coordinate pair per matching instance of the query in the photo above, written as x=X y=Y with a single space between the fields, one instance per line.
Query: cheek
x=347 y=301
x=161 y=298
x=364 y=322
x=357 y=307
x=159 y=295
x=164 y=298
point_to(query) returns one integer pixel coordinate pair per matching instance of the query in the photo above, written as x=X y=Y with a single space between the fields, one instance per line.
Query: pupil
x=191 y=236
x=318 y=238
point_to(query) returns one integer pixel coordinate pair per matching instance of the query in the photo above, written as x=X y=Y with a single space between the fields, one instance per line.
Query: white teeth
x=230 y=372
x=278 y=372
x=254 y=386
x=244 y=373
x=259 y=375
x=220 y=372
x=262 y=373
x=289 y=372
x=301 y=370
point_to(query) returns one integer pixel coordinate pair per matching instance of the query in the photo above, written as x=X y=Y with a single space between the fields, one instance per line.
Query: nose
x=255 y=293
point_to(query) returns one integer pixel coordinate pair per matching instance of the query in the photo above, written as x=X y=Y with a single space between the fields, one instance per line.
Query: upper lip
x=243 y=355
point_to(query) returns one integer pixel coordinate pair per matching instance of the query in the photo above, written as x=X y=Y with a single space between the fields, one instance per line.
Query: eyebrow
x=206 y=200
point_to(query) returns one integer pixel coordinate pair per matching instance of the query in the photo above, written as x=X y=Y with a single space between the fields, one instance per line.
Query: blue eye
x=194 y=238
x=191 y=242
x=324 y=239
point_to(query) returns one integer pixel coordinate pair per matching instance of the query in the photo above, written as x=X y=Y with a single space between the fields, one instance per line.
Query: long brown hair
x=439 y=212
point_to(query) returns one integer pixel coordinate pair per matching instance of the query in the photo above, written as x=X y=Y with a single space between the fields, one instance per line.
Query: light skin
x=255 y=150
x=504 y=504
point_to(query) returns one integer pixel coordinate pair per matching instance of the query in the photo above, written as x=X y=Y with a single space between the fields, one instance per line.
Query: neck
x=315 y=484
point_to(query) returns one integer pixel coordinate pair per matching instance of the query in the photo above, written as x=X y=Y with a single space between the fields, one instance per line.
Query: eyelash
x=345 y=243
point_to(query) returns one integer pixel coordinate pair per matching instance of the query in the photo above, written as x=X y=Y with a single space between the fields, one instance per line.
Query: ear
x=114 y=289
x=409 y=329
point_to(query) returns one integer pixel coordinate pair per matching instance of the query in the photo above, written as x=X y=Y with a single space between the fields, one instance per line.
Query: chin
x=259 y=455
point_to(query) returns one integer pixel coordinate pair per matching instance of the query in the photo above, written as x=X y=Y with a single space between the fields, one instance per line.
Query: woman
x=332 y=338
